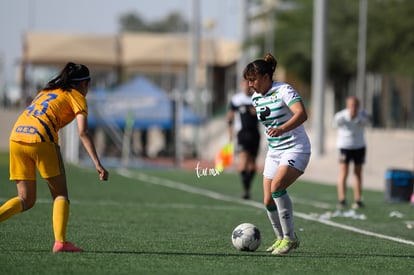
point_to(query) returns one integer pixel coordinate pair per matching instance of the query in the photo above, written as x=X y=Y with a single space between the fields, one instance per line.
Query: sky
x=98 y=17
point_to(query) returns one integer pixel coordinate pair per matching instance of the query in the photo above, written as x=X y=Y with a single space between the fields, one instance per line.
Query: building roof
x=132 y=51
x=59 y=48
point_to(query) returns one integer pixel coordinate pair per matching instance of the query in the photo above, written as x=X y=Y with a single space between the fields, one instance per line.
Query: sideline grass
x=129 y=226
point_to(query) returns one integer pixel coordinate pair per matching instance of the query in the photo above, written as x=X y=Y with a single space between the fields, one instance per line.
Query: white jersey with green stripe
x=273 y=111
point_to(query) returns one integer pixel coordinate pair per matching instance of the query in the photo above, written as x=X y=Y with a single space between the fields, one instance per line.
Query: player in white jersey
x=351 y=123
x=280 y=109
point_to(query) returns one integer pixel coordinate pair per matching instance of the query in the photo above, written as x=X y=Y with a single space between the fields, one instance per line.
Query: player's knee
x=28 y=203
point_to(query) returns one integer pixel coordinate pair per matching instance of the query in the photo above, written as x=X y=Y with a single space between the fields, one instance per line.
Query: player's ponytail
x=69 y=77
x=264 y=66
x=268 y=58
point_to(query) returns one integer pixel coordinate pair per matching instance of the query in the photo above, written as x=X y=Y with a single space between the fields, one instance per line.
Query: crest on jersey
x=273 y=97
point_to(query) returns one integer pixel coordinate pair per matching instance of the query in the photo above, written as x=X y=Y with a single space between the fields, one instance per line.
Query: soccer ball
x=246 y=237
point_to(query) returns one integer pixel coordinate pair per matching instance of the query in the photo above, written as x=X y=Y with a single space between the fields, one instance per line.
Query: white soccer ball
x=246 y=237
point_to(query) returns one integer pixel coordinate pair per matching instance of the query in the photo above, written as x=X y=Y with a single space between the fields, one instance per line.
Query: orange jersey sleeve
x=49 y=111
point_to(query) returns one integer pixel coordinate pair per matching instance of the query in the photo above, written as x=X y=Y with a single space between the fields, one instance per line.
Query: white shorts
x=274 y=159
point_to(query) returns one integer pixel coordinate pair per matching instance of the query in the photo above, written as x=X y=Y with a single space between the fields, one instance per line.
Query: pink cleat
x=65 y=247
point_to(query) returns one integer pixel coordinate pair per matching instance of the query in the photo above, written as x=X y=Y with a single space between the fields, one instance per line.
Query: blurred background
x=163 y=71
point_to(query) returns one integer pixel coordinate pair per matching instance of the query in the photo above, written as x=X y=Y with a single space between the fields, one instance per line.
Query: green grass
x=138 y=225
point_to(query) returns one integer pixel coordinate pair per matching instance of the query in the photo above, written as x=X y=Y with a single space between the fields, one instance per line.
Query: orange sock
x=11 y=208
x=60 y=218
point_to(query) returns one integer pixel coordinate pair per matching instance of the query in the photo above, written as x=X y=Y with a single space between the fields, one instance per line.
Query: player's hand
x=274 y=132
x=103 y=174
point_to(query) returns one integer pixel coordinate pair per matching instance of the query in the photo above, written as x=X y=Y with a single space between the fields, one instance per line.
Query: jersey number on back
x=44 y=104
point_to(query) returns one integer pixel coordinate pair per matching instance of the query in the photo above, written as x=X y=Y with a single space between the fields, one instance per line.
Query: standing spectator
x=351 y=122
x=34 y=143
x=248 y=136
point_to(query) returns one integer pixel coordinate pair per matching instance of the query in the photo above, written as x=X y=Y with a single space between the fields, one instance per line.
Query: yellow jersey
x=49 y=111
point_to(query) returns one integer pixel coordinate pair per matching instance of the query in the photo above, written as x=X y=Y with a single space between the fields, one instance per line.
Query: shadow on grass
x=178 y=253
x=295 y=254
x=166 y=253
x=260 y=254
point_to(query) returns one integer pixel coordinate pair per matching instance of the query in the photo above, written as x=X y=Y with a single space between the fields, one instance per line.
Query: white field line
x=218 y=196
x=147 y=205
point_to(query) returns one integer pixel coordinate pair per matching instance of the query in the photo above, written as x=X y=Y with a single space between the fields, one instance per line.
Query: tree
x=390 y=40
x=293 y=39
x=293 y=44
x=132 y=22
x=173 y=22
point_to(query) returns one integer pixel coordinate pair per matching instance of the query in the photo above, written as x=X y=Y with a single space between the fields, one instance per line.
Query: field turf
x=167 y=221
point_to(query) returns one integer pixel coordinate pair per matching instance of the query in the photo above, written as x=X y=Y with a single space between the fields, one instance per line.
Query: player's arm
x=87 y=142
x=230 y=121
x=299 y=117
x=339 y=120
x=364 y=118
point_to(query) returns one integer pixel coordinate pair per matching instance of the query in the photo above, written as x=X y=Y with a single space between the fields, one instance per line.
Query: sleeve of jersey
x=290 y=95
x=232 y=106
x=78 y=102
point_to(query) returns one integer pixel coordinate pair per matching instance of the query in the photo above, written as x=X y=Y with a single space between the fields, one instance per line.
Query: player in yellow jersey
x=34 y=144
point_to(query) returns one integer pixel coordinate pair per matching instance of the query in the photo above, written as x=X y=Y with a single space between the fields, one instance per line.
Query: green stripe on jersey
x=275 y=117
x=294 y=101
x=278 y=139
x=280 y=146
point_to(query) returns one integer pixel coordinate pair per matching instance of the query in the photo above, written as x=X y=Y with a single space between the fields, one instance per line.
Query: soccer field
x=166 y=221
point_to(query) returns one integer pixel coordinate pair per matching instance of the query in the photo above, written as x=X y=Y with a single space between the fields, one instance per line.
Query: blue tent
x=138 y=101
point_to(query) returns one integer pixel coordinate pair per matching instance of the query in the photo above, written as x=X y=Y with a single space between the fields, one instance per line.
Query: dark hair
x=70 y=76
x=266 y=65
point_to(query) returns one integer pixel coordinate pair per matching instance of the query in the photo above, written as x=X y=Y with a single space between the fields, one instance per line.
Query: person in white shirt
x=351 y=123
